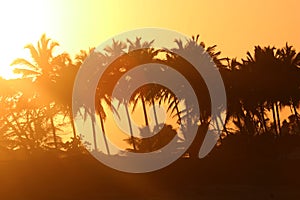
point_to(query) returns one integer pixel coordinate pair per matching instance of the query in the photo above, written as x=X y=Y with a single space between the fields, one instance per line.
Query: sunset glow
x=235 y=26
x=157 y=99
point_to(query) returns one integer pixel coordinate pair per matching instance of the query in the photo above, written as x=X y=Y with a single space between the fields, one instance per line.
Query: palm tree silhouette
x=43 y=72
x=193 y=49
x=63 y=91
x=98 y=59
x=145 y=54
x=291 y=61
x=265 y=89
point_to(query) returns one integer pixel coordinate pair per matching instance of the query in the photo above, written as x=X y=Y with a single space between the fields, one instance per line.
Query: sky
x=235 y=26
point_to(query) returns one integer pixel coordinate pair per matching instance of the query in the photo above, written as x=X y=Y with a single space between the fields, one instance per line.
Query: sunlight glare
x=19 y=26
x=7 y=73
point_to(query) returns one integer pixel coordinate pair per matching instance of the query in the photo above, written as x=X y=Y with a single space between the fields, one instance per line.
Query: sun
x=7 y=73
x=22 y=22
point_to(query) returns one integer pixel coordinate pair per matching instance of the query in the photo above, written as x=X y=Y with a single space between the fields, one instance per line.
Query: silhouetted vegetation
x=262 y=125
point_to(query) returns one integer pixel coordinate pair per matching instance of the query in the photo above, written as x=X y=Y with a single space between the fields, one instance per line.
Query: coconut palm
x=97 y=60
x=43 y=70
x=264 y=88
x=143 y=54
x=193 y=49
x=291 y=63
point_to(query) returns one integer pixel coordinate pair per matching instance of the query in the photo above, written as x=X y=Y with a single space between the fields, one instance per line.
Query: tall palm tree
x=43 y=70
x=145 y=54
x=291 y=62
x=192 y=50
x=100 y=95
x=63 y=91
x=265 y=88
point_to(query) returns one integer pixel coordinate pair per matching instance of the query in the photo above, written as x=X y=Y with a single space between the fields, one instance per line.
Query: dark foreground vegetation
x=45 y=176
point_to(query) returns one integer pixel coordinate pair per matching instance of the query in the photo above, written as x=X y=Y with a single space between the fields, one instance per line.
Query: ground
x=82 y=177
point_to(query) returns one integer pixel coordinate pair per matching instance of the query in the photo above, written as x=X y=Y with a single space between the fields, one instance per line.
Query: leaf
x=33 y=52
x=22 y=61
x=26 y=72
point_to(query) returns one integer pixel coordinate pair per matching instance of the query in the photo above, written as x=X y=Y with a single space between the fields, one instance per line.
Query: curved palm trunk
x=73 y=127
x=94 y=132
x=130 y=127
x=154 y=112
x=72 y=123
x=295 y=111
x=104 y=134
x=145 y=111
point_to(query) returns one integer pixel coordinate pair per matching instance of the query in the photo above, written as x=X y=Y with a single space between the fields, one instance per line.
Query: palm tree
x=63 y=91
x=43 y=70
x=144 y=53
x=193 y=49
x=95 y=57
x=265 y=88
x=291 y=62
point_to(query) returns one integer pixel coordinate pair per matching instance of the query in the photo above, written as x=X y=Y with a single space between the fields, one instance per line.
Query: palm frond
x=22 y=61
x=26 y=72
x=33 y=52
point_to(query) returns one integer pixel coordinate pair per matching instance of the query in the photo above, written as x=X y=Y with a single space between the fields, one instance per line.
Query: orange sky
x=234 y=25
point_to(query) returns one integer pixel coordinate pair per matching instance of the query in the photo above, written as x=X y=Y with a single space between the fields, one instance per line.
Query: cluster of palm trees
x=260 y=87
x=35 y=108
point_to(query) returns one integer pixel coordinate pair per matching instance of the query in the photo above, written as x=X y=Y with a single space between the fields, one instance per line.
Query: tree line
x=259 y=88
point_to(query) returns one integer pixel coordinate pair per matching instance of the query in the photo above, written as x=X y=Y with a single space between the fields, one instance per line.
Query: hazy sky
x=234 y=25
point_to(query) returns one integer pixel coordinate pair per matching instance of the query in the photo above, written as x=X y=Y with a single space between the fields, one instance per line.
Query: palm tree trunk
x=104 y=135
x=263 y=118
x=274 y=119
x=218 y=128
x=72 y=123
x=73 y=127
x=296 y=112
x=130 y=127
x=278 y=118
x=154 y=112
x=178 y=113
x=94 y=132
x=145 y=111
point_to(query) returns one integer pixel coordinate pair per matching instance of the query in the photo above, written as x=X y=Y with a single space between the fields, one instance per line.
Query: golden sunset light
x=234 y=26
x=160 y=99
